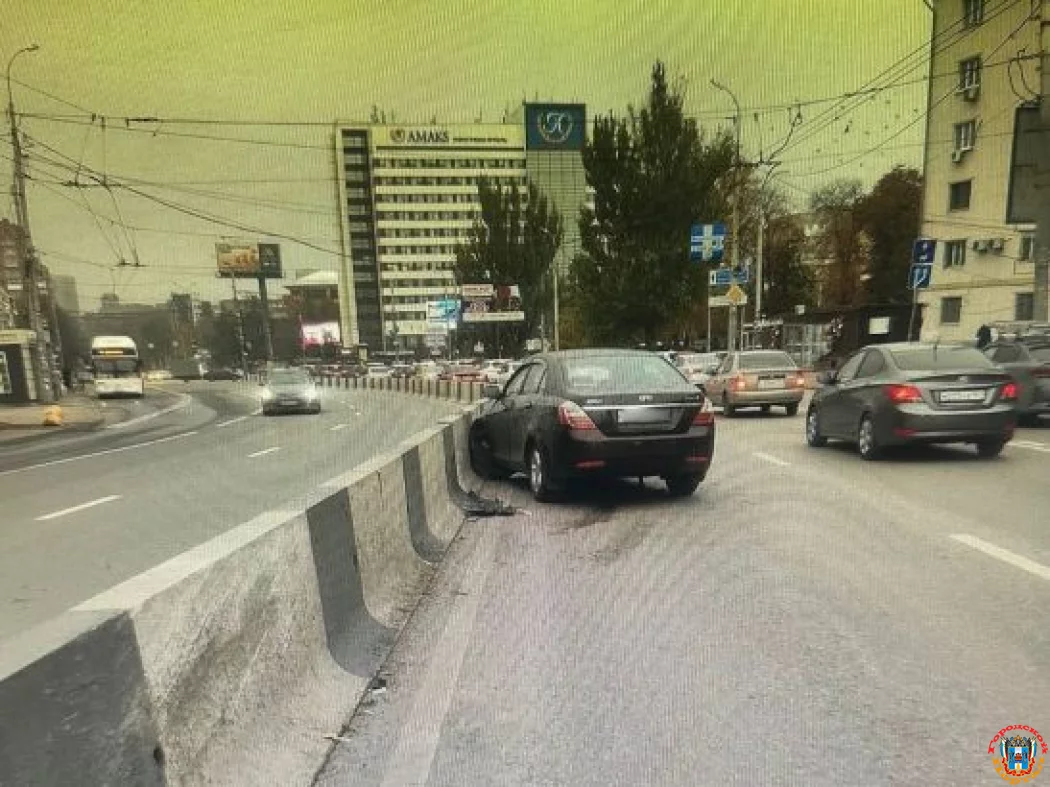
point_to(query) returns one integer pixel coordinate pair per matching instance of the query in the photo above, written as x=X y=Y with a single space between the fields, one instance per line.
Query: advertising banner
x=555 y=126
x=248 y=260
x=319 y=333
x=443 y=313
x=503 y=304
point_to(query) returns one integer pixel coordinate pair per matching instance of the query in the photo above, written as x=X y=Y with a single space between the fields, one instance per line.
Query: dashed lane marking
x=1005 y=555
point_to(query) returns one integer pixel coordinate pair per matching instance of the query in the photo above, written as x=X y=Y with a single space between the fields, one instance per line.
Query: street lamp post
x=731 y=339
x=43 y=376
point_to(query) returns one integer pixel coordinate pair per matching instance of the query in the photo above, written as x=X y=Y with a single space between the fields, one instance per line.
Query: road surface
x=806 y=618
x=81 y=513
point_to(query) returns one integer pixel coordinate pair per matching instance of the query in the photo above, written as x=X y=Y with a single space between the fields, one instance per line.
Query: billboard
x=319 y=333
x=491 y=303
x=555 y=126
x=1028 y=158
x=443 y=313
x=248 y=260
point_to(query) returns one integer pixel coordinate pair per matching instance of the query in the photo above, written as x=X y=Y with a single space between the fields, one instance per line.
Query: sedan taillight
x=1009 y=393
x=903 y=394
x=738 y=383
x=575 y=417
x=704 y=416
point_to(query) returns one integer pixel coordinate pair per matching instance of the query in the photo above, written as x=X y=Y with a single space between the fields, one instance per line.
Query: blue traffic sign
x=923 y=251
x=707 y=242
x=721 y=277
x=919 y=276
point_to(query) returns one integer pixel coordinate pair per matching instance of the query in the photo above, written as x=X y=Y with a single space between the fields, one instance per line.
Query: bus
x=117 y=367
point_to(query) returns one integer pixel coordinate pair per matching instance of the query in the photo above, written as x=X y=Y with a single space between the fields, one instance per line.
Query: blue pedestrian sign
x=720 y=277
x=919 y=276
x=707 y=242
x=923 y=251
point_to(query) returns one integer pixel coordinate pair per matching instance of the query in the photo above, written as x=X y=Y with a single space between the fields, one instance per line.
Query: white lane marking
x=256 y=411
x=771 y=459
x=221 y=424
x=1005 y=555
x=1030 y=445
x=81 y=507
x=264 y=452
x=418 y=739
x=92 y=455
x=184 y=400
x=337 y=427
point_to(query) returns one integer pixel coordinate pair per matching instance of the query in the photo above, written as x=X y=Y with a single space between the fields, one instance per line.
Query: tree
x=653 y=176
x=838 y=208
x=514 y=241
x=75 y=345
x=891 y=215
x=788 y=283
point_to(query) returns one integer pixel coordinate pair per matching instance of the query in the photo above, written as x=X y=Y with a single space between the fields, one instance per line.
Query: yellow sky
x=458 y=59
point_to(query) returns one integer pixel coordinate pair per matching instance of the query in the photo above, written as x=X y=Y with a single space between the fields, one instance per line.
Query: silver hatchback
x=757 y=378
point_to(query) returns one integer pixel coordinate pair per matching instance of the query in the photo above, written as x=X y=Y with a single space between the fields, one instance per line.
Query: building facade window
x=1026 y=248
x=965 y=135
x=1023 y=306
x=959 y=195
x=954 y=253
x=970 y=73
x=973 y=12
x=951 y=310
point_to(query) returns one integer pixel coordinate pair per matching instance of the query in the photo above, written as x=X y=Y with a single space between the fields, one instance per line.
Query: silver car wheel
x=536 y=471
x=812 y=428
x=866 y=437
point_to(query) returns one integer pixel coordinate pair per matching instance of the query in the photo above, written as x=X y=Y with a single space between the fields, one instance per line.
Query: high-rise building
x=409 y=197
x=12 y=271
x=979 y=75
x=65 y=289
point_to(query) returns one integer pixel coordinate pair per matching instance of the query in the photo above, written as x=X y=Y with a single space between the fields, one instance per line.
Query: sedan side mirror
x=830 y=377
x=491 y=392
x=711 y=369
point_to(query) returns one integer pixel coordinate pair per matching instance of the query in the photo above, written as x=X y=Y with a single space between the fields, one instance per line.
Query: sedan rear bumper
x=924 y=425
x=651 y=455
x=775 y=396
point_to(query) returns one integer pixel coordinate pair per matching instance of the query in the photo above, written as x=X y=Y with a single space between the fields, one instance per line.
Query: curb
x=48 y=432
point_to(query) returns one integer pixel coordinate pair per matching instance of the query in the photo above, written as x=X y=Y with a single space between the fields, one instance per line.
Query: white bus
x=117 y=367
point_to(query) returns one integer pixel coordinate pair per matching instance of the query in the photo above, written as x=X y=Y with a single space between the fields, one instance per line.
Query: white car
x=697 y=366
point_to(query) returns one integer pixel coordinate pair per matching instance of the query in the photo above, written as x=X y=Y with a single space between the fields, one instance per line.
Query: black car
x=584 y=413
x=223 y=374
x=1027 y=360
x=896 y=394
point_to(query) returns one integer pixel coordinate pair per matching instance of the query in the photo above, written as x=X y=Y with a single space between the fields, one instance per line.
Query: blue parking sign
x=923 y=251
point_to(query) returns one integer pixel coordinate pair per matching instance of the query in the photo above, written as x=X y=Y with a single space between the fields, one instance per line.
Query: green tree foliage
x=891 y=216
x=788 y=283
x=838 y=208
x=653 y=175
x=514 y=242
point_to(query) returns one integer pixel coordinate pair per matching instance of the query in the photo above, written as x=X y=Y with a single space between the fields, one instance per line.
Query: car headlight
x=267 y=393
x=311 y=394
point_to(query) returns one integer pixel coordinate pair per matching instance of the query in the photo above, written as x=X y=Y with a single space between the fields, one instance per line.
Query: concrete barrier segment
x=74 y=707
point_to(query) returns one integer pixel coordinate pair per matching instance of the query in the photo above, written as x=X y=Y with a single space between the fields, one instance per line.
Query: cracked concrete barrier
x=230 y=663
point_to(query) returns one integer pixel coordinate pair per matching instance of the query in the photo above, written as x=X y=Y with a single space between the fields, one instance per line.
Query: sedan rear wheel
x=727 y=409
x=539 y=475
x=990 y=449
x=866 y=442
x=791 y=409
x=813 y=435
x=683 y=485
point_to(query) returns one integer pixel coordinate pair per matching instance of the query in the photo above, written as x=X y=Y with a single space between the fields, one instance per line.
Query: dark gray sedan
x=896 y=394
x=290 y=390
x=1028 y=361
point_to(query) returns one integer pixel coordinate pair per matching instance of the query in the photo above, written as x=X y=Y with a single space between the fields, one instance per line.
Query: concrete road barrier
x=231 y=662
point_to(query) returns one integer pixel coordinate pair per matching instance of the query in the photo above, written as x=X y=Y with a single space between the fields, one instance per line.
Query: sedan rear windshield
x=940 y=359
x=770 y=360
x=620 y=373
x=289 y=378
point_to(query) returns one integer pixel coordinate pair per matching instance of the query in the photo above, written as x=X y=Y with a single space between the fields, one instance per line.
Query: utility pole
x=1041 y=267
x=735 y=231
x=43 y=368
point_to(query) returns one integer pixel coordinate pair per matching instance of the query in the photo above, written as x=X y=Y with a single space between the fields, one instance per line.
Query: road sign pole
x=914 y=309
x=709 y=327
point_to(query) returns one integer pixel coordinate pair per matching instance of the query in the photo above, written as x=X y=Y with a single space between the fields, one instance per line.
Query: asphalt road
x=81 y=513
x=806 y=618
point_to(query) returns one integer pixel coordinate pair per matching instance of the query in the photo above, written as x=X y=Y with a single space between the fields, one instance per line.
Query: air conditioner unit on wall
x=997 y=244
x=971 y=93
x=979 y=245
x=957 y=156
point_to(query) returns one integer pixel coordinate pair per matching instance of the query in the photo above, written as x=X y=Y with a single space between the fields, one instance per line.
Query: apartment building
x=982 y=69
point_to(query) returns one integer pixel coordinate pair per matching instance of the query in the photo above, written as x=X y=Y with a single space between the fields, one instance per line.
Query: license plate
x=289 y=401
x=766 y=384
x=645 y=415
x=962 y=396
